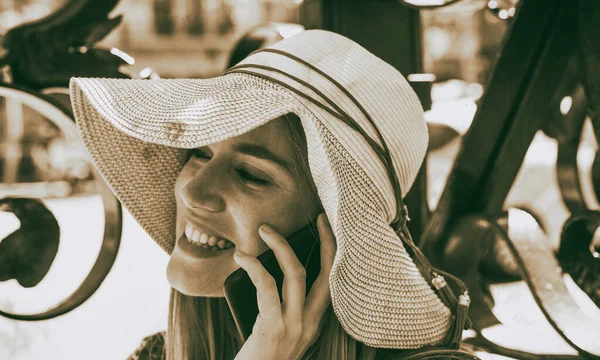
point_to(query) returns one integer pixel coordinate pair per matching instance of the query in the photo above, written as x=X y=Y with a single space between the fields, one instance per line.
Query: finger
x=319 y=297
x=266 y=290
x=294 y=275
x=326 y=236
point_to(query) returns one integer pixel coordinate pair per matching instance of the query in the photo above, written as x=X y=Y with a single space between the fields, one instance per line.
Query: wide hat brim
x=137 y=133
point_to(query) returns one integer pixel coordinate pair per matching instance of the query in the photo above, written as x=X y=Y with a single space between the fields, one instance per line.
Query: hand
x=284 y=331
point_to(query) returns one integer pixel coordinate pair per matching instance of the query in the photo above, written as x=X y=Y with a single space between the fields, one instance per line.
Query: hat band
x=401 y=217
x=430 y=273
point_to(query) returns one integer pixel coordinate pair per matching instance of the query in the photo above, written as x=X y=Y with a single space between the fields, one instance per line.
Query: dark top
x=152 y=346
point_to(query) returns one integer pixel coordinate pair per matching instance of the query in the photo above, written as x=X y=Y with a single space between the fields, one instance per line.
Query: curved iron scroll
x=27 y=253
x=524 y=238
x=47 y=52
x=539 y=54
x=576 y=249
x=565 y=122
x=62 y=117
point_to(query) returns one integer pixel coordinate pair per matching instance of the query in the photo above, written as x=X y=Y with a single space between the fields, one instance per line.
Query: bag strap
x=458 y=304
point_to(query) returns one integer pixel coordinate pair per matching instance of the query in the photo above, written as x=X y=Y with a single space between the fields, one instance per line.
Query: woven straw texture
x=136 y=132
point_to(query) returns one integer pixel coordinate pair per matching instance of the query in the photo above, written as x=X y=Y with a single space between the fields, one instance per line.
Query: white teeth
x=206 y=241
x=195 y=235
x=204 y=238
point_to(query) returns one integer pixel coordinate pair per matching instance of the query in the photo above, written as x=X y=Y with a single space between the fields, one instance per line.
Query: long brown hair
x=203 y=328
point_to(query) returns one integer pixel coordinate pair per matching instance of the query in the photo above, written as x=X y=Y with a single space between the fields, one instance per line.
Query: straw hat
x=366 y=141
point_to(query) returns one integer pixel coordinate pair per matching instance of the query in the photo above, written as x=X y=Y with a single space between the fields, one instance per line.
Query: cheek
x=284 y=213
x=248 y=215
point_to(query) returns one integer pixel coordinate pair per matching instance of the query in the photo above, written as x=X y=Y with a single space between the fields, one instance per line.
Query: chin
x=207 y=293
x=194 y=279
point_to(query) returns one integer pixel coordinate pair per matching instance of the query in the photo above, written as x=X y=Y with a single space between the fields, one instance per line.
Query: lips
x=202 y=227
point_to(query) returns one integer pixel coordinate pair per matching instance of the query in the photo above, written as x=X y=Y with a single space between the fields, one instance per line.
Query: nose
x=204 y=190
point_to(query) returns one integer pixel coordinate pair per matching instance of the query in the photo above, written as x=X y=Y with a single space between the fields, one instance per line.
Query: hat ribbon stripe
x=340 y=114
x=401 y=210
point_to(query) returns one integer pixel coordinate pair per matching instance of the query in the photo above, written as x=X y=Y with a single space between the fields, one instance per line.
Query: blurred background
x=457 y=48
x=193 y=38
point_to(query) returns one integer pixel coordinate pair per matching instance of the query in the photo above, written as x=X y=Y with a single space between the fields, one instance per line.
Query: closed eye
x=247 y=177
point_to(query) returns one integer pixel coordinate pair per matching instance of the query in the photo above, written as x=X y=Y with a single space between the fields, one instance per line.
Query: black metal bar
x=508 y=84
x=392 y=31
x=49 y=51
x=531 y=112
x=416 y=201
x=387 y=29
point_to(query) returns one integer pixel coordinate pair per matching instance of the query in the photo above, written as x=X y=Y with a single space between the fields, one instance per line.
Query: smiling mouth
x=201 y=239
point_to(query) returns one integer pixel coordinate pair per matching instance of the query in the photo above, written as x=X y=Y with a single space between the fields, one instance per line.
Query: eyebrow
x=262 y=152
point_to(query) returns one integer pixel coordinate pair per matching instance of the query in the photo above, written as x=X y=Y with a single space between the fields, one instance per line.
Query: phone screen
x=241 y=293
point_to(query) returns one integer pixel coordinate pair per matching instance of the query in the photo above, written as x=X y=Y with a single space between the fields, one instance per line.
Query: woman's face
x=224 y=193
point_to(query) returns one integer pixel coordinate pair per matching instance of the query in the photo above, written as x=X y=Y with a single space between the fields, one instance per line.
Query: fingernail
x=324 y=219
x=240 y=254
x=266 y=228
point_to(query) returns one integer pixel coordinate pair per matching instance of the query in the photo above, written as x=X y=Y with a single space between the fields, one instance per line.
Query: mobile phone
x=241 y=293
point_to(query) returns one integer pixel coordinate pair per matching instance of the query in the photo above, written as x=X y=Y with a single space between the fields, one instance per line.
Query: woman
x=314 y=123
